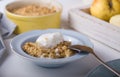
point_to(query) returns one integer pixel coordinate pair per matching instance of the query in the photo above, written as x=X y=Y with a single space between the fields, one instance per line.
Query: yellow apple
x=105 y=9
x=115 y=20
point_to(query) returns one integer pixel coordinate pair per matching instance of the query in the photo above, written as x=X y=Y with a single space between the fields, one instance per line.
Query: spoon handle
x=106 y=65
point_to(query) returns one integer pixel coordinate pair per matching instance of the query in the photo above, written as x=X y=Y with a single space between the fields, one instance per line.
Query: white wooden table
x=13 y=66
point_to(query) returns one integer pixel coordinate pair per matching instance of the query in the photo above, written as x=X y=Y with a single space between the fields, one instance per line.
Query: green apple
x=115 y=20
x=105 y=9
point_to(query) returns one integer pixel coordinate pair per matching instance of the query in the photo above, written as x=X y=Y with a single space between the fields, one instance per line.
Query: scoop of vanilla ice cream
x=49 y=40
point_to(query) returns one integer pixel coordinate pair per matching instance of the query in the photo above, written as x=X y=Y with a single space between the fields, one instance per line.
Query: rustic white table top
x=13 y=66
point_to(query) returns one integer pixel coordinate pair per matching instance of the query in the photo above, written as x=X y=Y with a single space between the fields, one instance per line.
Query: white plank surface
x=15 y=66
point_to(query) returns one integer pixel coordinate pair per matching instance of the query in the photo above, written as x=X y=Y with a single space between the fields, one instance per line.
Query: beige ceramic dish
x=27 y=23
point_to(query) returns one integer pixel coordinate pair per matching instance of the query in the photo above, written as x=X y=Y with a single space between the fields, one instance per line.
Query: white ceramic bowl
x=69 y=35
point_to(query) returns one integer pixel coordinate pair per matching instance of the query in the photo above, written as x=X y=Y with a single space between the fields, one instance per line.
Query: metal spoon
x=80 y=48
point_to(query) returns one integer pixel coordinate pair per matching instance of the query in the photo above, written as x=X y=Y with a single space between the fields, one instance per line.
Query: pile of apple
x=108 y=10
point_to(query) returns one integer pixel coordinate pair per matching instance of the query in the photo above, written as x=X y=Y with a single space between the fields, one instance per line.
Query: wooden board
x=95 y=28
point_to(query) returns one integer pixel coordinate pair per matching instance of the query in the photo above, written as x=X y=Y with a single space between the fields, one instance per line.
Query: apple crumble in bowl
x=59 y=51
x=49 y=48
x=34 y=10
x=34 y=14
x=49 y=45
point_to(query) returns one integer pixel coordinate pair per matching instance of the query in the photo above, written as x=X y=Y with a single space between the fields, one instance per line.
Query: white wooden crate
x=95 y=28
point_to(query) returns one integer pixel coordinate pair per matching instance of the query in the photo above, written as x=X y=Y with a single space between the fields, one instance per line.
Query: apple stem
x=110 y=3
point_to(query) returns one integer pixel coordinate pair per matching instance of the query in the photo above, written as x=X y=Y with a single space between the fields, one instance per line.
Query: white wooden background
x=13 y=66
